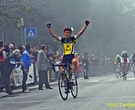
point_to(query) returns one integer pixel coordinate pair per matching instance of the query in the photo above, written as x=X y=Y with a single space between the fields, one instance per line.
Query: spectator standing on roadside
x=1 y=60
x=7 y=67
x=85 y=65
x=1 y=52
x=57 y=69
x=26 y=59
x=11 y=47
x=43 y=67
x=6 y=50
x=35 y=53
x=79 y=69
x=51 y=58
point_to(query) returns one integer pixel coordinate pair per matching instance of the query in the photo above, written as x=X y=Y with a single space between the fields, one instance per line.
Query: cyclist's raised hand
x=87 y=22
x=48 y=24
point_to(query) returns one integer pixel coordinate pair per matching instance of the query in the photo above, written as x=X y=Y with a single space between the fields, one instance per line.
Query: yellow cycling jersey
x=68 y=45
x=68 y=48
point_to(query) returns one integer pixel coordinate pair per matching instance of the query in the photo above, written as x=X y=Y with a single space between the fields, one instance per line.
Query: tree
x=10 y=10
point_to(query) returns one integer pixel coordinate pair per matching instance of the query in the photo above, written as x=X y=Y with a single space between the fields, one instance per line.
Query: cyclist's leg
x=74 y=66
x=122 y=68
x=64 y=61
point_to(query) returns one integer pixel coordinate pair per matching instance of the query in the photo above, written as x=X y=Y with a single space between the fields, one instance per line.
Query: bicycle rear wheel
x=62 y=84
x=117 y=74
x=124 y=76
x=74 y=91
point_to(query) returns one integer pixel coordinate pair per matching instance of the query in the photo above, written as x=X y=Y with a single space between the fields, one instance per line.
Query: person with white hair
x=11 y=48
x=7 y=66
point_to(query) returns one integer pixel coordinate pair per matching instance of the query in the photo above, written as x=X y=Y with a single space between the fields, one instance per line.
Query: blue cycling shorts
x=68 y=58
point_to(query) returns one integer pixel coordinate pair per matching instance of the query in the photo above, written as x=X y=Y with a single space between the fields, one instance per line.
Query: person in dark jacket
x=86 y=65
x=43 y=67
x=7 y=66
x=26 y=59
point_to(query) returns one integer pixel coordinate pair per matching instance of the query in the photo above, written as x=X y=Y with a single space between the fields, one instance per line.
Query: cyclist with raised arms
x=68 y=42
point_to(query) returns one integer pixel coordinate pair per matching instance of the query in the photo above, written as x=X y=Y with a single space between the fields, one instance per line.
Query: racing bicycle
x=65 y=83
x=118 y=70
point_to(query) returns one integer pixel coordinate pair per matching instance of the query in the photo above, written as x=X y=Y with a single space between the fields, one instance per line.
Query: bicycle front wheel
x=62 y=84
x=74 y=91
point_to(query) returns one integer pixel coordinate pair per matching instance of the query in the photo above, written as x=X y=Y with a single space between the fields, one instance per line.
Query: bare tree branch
x=11 y=9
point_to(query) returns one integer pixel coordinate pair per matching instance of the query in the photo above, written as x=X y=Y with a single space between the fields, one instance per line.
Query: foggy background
x=110 y=32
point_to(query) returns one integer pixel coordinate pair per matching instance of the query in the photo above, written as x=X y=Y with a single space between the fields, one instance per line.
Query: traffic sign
x=31 y=33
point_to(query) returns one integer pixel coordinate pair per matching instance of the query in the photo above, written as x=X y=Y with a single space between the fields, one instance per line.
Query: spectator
x=25 y=67
x=6 y=50
x=43 y=66
x=11 y=47
x=7 y=67
x=57 y=69
x=79 y=69
x=21 y=48
x=35 y=53
x=1 y=59
x=85 y=65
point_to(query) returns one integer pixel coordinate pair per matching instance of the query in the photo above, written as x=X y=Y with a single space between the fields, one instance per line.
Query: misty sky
x=111 y=29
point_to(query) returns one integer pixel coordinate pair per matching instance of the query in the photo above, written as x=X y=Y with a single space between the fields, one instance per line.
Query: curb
x=19 y=90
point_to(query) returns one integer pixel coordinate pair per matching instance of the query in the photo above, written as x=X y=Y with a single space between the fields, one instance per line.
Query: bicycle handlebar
x=61 y=64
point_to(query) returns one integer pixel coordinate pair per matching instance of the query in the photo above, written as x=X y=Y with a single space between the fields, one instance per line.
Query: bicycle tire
x=117 y=74
x=124 y=76
x=62 y=84
x=74 y=91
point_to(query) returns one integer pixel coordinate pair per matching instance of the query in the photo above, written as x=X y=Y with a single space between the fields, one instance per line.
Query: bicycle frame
x=66 y=68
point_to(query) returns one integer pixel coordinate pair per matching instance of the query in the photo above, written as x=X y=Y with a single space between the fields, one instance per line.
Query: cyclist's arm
x=52 y=32
x=82 y=30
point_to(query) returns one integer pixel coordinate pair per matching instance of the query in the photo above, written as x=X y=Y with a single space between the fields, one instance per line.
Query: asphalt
x=30 y=87
x=19 y=90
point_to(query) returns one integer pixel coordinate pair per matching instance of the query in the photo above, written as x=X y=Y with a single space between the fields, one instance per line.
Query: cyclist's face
x=67 y=34
x=124 y=55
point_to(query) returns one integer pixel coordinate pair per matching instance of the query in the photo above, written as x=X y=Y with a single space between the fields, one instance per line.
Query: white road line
x=94 y=80
x=130 y=78
x=110 y=79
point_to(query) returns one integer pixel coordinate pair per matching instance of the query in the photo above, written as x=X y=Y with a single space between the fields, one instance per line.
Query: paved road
x=97 y=93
